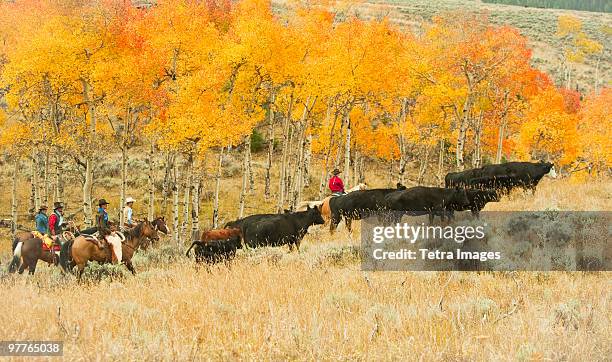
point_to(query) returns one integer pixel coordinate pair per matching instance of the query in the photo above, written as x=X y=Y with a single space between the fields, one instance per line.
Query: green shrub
x=96 y=272
x=258 y=142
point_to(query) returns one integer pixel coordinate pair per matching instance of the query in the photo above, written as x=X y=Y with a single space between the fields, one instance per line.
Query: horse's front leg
x=80 y=270
x=130 y=266
x=32 y=267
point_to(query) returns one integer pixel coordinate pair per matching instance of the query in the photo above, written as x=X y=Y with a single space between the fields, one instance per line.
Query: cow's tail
x=66 y=255
x=197 y=242
x=16 y=261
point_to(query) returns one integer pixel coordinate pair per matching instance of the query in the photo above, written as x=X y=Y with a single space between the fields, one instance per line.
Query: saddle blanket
x=47 y=242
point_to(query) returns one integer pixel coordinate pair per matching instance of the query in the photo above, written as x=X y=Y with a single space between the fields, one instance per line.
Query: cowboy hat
x=336 y=171
x=102 y=202
x=42 y=207
x=129 y=199
x=57 y=205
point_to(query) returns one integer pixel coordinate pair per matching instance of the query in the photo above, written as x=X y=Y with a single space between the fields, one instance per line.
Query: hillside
x=539 y=25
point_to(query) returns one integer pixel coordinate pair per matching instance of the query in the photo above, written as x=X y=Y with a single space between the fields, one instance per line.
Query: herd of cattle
x=467 y=190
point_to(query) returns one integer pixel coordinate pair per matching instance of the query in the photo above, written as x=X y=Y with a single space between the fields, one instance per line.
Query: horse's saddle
x=48 y=242
x=94 y=239
x=102 y=243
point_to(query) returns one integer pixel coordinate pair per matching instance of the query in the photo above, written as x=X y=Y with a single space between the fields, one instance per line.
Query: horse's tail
x=16 y=241
x=66 y=255
x=197 y=242
x=16 y=262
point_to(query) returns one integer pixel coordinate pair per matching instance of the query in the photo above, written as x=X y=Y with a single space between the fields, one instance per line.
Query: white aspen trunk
x=477 y=160
x=325 y=171
x=361 y=173
x=347 y=149
x=402 y=143
x=339 y=153
x=45 y=198
x=151 y=182
x=500 y=142
x=355 y=168
x=169 y=159
x=307 y=160
x=123 y=184
x=283 y=170
x=249 y=164
x=36 y=181
x=217 y=189
x=463 y=125
x=289 y=164
x=441 y=164
x=502 y=128
x=245 y=175
x=87 y=192
x=298 y=175
x=14 y=195
x=424 y=164
x=175 y=203
x=186 y=196
x=195 y=208
x=32 y=206
x=298 y=178
x=88 y=184
x=59 y=188
x=270 y=147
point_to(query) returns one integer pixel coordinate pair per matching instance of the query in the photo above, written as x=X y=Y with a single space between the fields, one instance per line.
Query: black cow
x=502 y=177
x=422 y=200
x=357 y=205
x=281 y=229
x=478 y=199
x=215 y=251
x=248 y=220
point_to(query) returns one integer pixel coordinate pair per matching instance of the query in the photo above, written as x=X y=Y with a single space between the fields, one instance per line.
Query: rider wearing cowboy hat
x=42 y=220
x=105 y=231
x=56 y=220
x=128 y=213
x=335 y=184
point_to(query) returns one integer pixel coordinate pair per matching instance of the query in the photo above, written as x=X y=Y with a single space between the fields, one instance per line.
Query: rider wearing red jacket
x=56 y=220
x=335 y=183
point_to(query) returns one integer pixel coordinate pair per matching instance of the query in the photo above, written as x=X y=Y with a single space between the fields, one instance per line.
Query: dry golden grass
x=318 y=304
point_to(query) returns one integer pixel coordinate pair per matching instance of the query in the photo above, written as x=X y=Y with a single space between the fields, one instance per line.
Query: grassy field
x=317 y=304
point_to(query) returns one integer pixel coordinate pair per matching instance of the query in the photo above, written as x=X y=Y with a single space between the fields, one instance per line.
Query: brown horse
x=82 y=250
x=27 y=235
x=26 y=253
x=159 y=224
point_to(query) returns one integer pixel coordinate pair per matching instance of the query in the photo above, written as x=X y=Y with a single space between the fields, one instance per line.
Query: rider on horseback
x=42 y=220
x=42 y=227
x=128 y=213
x=335 y=184
x=105 y=231
x=56 y=220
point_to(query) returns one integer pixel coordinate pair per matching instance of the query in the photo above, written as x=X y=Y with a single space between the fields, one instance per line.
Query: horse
x=159 y=224
x=323 y=205
x=24 y=235
x=82 y=249
x=26 y=253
